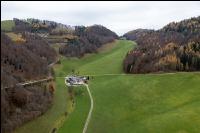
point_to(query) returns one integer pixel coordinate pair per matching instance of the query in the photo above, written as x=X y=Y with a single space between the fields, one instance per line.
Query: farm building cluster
x=72 y=80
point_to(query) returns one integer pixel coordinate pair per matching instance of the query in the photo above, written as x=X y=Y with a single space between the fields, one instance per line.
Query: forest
x=29 y=59
x=175 y=47
x=79 y=39
x=23 y=61
x=87 y=41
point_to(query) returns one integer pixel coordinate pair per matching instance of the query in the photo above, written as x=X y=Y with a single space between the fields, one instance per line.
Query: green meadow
x=153 y=103
x=123 y=103
x=146 y=104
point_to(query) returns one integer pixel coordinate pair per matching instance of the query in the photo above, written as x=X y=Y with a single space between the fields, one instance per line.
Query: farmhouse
x=73 y=80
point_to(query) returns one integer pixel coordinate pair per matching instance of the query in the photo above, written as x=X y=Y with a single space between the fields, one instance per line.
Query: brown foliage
x=51 y=88
x=24 y=62
x=19 y=105
x=176 y=47
x=88 y=40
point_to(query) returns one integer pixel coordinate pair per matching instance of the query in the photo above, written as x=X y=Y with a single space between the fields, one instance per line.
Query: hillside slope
x=24 y=58
x=73 y=41
x=87 y=41
x=175 y=47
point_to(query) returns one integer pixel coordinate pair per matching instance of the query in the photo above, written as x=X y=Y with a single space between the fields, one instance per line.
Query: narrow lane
x=90 y=112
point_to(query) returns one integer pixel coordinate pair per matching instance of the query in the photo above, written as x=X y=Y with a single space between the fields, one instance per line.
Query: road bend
x=90 y=112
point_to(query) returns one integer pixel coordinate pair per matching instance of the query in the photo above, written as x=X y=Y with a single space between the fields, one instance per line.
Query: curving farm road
x=91 y=108
x=90 y=112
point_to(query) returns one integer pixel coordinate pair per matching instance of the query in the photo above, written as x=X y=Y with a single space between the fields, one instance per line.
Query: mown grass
x=7 y=25
x=153 y=103
x=75 y=122
x=146 y=103
x=109 y=61
x=86 y=65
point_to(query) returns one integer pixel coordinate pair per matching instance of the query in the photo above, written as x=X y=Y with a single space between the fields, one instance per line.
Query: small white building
x=75 y=80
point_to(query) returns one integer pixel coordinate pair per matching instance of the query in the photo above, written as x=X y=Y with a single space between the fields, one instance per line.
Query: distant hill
x=134 y=34
x=175 y=47
x=73 y=41
x=87 y=40
x=185 y=27
x=41 y=26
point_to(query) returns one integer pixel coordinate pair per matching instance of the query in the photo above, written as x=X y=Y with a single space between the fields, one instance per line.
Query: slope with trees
x=73 y=41
x=22 y=61
x=175 y=47
x=87 y=40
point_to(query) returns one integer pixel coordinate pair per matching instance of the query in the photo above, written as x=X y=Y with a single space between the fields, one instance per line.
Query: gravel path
x=90 y=112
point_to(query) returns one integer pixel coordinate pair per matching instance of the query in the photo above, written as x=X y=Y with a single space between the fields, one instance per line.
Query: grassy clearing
x=7 y=25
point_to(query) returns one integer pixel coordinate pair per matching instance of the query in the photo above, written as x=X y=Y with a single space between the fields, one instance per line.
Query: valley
x=125 y=102
x=100 y=67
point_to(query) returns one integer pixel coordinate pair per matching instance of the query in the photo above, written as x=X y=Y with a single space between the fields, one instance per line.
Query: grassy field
x=139 y=103
x=7 y=25
x=96 y=63
x=76 y=120
x=87 y=65
x=153 y=103
x=146 y=104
